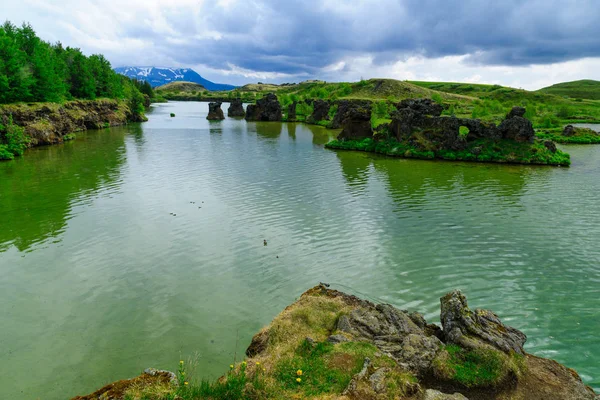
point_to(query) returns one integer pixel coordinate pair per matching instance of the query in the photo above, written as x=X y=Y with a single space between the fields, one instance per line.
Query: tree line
x=32 y=70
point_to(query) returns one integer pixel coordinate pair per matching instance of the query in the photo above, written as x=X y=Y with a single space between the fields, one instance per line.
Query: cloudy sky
x=519 y=43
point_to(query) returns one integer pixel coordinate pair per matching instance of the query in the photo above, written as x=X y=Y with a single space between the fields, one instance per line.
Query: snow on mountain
x=157 y=76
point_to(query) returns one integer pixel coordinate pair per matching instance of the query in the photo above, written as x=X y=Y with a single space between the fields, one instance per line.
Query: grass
x=581 y=136
x=476 y=368
x=583 y=89
x=482 y=150
x=291 y=366
x=492 y=102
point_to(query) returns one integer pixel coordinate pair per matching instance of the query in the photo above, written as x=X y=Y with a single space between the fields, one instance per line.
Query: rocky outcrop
x=422 y=106
x=48 y=123
x=569 y=131
x=236 y=108
x=215 y=113
x=291 y=114
x=516 y=127
x=265 y=109
x=320 y=112
x=343 y=108
x=476 y=329
x=117 y=390
x=356 y=122
x=383 y=352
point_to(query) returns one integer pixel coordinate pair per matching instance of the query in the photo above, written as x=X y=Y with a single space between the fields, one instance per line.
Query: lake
x=99 y=280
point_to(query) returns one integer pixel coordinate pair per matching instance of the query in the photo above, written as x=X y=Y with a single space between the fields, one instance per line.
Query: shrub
x=13 y=141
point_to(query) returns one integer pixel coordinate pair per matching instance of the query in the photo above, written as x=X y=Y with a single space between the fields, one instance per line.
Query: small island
x=332 y=345
x=417 y=130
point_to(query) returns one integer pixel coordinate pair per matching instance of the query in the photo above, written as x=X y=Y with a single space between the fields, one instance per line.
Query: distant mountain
x=161 y=76
x=584 y=89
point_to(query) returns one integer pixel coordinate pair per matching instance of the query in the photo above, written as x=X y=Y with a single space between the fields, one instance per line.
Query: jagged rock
x=291 y=114
x=214 y=111
x=569 y=130
x=356 y=124
x=320 y=112
x=550 y=145
x=431 y=394
x=265 y=109
x=394 y=332
x=518 y=129
x=479 y=328
x=422 y=106
x=259 y=343
x=337 y=339
x=343 y=107
x=236 y=108
x=479 y=129
x=418 y=352
x=516 y=112
x=377 y=380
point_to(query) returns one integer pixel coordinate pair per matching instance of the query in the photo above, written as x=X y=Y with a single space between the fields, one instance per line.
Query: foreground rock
x=331 y=345
x=236 y=108
x=265 y=109
x=48 y=123
x=215 y=113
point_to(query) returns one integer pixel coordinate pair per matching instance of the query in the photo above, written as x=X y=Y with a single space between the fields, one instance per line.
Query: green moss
x=482 y=150
x=581 y=136
x=476 y=368
x=70 y=136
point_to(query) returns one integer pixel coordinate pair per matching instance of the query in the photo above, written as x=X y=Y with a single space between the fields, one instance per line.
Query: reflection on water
x=101 y=281
x=36 y=193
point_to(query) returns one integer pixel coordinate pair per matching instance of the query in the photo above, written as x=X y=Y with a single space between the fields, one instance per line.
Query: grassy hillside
x=583 y=89
x=181 y=87
x=543 y=109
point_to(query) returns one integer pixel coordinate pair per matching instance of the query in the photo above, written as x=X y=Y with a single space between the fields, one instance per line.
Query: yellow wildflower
x=244 y=363
x=185 y=383
x=257 y=363
x=299 y=372
x=231 y=366
x=181 y=362
x=298 y=380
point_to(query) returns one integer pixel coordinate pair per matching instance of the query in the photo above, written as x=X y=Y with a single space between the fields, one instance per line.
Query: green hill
x=181 y=87
x=545 y=110
x=583 y=89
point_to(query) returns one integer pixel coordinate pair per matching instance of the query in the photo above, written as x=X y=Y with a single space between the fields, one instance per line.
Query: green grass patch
x=482 y=150
x=476 y=368
x=581 y=136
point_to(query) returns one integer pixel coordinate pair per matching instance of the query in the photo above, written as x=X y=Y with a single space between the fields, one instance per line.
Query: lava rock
x=320 y=112
x=236 y=108
x=214 y=111
x=422 y=106
x=357 y=122
x=518 y=129
x=291 y=115
x=550 y=145
x=516 y=112
x=479 y=328
x=265 y=109
x=343 y=108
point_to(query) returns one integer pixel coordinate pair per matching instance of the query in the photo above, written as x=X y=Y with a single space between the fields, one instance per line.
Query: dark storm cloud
x=302 y=37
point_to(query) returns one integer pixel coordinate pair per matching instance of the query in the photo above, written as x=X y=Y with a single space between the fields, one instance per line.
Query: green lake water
x=99 y=281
